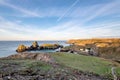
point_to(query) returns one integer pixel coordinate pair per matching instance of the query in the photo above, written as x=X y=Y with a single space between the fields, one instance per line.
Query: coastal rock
x=21 y=48
x=34 y=56
x=64 y=50
x=50 y=46
x=34 y=45
x=44 y=57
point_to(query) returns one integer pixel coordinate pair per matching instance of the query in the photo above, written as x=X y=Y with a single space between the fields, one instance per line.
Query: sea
x=9 y=47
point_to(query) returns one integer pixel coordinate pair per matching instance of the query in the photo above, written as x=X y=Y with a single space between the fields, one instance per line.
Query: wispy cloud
x=11 y=30
x=73 y=28
x=88 y=13
x=106 y=8
x=64 y=13
x=82 y=13
x=22 y=10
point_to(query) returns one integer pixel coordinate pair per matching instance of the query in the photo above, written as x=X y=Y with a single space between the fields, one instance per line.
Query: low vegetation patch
x=86 y=63
x=23 y=65
x=37 y=65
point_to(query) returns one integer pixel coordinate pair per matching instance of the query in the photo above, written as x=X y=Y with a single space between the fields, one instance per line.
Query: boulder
x=21 y=48
x=58 y=46
x=64 y=50
x=44 y=57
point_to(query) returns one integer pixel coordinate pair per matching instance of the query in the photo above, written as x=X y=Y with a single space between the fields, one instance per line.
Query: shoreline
x=8 y=48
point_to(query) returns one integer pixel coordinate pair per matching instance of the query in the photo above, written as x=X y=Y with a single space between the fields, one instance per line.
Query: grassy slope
x=83 y=63
x=86 y=63
x=34 y=70
x=26 y=64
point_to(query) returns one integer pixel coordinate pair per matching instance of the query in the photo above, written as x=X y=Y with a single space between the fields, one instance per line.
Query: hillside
x=107 y=47
x=66 y=66
x=99 y=42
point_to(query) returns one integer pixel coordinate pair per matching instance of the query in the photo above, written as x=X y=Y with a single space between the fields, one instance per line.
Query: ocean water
x=8 y=47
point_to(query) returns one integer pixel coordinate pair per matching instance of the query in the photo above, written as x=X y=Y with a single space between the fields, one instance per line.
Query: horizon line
x=68 y=39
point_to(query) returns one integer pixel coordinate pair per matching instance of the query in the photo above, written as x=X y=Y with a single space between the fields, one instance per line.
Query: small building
x=87 y=49
x=91 y=49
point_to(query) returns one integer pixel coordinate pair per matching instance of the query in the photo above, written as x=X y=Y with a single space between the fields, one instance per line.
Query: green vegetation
x=34 y=70
x=54 y=46
x=27 y=64
x=37 y=65
x=118 y=71
x=48 y=45
x=66 y=64
x=86 y=63
x=110 y=53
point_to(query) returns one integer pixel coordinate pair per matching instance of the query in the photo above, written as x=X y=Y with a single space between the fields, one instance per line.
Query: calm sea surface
x=9 y=47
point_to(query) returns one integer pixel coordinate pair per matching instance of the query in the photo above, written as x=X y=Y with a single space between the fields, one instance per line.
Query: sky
x=59 y=19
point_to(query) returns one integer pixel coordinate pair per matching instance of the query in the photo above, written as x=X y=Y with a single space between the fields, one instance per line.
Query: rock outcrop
x=34 y=56
x=35 y=46
x=50 y=46
x=21 y=48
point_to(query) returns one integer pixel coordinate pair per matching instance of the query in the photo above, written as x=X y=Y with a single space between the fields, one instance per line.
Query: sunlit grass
x=86 y=63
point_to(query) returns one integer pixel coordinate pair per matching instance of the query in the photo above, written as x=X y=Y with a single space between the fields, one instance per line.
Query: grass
x=83 y=63
x=28 y=64
x=37 y=65
x=86 y=63
x=118 y=71
x=110 y=52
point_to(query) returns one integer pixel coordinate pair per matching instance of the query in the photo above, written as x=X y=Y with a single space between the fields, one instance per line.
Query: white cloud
x=15 y=31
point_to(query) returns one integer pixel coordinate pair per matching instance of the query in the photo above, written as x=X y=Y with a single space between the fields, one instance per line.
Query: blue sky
x=59 y=19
